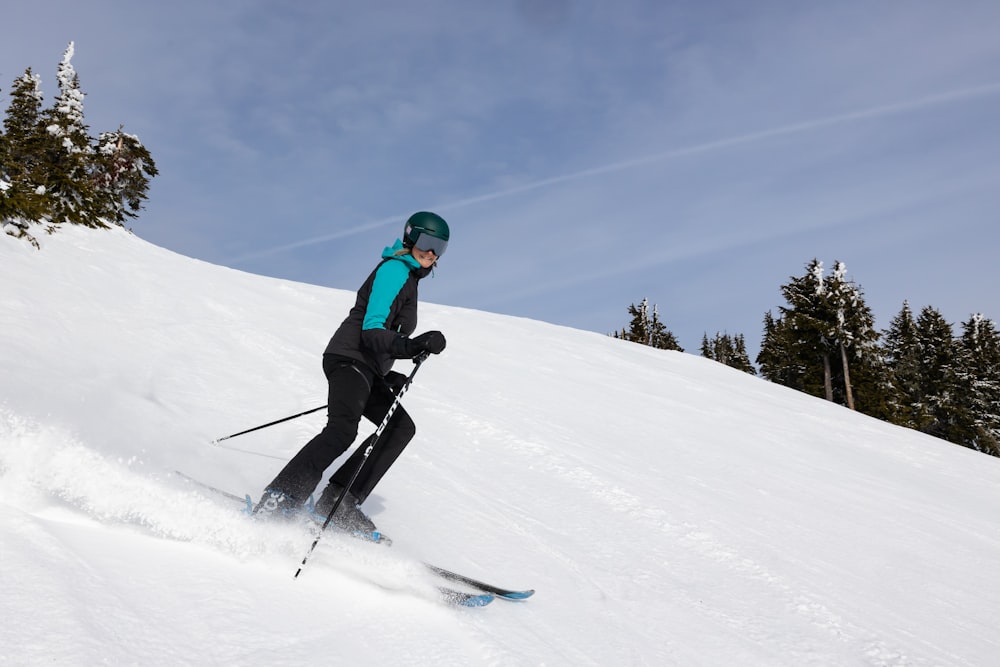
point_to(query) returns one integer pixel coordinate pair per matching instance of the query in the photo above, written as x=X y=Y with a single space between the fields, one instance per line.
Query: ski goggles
x=429 y=243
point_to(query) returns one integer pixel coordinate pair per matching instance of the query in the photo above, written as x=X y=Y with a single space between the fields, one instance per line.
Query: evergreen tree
x=22 y=162
x=934 y=410
x=903 y=359
x=825 y=343
x=810 y=321
x=5 y=185
x=722 y=349
x=68 y=152
x=853 y=327
x=778 y=358
x=979 y=378
x=647 y=329
x=660 y=337
x=50 y=171
x=947 y=387
x=638 y=328
x=122 y=168
x=728 y=350
x=741 y=359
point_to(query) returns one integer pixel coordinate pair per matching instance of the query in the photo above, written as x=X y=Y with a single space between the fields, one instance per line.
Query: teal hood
x=390 y=253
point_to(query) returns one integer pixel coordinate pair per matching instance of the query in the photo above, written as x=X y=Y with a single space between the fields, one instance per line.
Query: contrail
x=795 y=128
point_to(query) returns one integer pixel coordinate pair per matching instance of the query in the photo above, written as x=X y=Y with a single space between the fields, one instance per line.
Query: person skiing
x=357 y=364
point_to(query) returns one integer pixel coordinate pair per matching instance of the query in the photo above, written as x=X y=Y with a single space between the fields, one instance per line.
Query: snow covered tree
x=22 y=160
x=5 y=185
x=979 y=377
x=947 y=387
x=933 y=405
x=68 y=152
x=810 y=319
x=825 y=343
x=122 y=169
x=853 y=327
x=647 y=329
x=50 y=172
x=728 y=350
x=660 y=337
x=638 y=328
x=903 y=360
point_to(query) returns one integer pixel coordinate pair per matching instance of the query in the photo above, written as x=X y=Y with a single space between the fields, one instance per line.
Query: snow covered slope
x=669 y=510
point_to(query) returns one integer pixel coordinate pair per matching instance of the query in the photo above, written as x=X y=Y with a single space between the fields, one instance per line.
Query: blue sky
x=586 y=154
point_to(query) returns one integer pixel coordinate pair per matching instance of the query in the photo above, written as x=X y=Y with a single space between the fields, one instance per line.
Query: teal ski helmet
x=426 y=231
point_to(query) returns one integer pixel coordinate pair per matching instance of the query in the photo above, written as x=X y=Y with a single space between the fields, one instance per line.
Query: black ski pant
x=354 y=392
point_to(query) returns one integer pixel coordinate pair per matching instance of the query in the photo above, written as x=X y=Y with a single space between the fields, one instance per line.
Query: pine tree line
x=52 y=171
x=646 y=328
x=728 y=350
x=917 y=373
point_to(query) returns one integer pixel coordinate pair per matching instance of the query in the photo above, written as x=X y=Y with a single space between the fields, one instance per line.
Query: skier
x=357 y=363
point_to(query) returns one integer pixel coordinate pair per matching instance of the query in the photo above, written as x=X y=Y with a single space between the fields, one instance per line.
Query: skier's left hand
x=431 y=341
x=408 y=348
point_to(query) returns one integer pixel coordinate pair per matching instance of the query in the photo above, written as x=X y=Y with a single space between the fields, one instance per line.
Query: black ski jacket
x=386 y=308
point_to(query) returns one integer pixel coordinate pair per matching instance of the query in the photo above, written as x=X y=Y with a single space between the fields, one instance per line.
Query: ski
x=208 y=487
x=505 y=593
x=485 y=594
x=247 y=502
x=463 y=599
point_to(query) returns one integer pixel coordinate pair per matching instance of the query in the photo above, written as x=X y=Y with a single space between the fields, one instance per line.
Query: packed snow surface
x=668 y=510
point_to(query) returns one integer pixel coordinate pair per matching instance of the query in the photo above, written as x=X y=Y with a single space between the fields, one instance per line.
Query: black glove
x=408 y=348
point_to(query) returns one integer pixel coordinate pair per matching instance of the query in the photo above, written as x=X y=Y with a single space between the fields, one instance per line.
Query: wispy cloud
x=906 y=106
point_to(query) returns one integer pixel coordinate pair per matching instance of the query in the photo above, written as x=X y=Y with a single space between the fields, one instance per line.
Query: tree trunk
x=827 y=380
x=847 y=378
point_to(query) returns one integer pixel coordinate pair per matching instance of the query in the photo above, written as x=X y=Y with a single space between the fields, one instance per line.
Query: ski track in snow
x=771 y=600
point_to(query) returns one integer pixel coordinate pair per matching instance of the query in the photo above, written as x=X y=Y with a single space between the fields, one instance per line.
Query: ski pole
x=278 y=421
x=373 y=440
